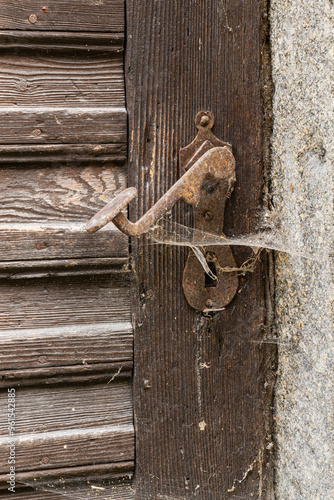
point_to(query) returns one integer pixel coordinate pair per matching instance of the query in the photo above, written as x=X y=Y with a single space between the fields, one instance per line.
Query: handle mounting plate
x=202 y=292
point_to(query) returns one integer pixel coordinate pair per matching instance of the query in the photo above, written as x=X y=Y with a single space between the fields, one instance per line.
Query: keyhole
x=210 y=282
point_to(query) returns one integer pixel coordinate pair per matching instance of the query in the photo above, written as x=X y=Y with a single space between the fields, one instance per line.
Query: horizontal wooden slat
x=97 y=372
x=59 y=302
x=32 y=154
x=58 y=80
x=69 y=193
x=114 y=492
x=60 y=241
x=55 y=408
x=64 y=41
x=47 y=450
x=60 y=15
x=22 y=269
x=41 y=125
x=70 y=345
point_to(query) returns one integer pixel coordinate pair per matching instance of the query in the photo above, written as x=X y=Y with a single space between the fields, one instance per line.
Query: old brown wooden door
x=97 y=95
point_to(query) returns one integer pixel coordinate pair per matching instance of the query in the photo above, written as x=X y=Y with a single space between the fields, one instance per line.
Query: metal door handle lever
x=208 y=180
x=215 y=165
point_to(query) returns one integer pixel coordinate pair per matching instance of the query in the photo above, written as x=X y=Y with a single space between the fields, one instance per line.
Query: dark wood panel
x=69 y=125
x=62 y=81
x=61 y=15
x=70 y=345
x=54 y=408
x=64 y=41
x=70 y=193
x=202 y=392
x=60 y=241
x=60 y=154
x=50 y=450
x=52 y=303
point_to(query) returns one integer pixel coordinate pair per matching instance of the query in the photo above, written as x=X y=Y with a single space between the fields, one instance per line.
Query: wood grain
x=48 y=450
x=61 y=15
x=70 y=125
x=60 y=241
x=70 y=345
x=202 y=414
x=57 y=80
x=55 y=408
x=15 y=270
x=65 y=193
x=60 y=154
x=64 y=41
x=52 y=303
x=115 y=492
x=67 y=374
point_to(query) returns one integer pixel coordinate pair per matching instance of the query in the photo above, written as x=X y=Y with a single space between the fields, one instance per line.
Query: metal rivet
x=32 y=18
x=208 y=216
x=205 y=120
x=209 y=303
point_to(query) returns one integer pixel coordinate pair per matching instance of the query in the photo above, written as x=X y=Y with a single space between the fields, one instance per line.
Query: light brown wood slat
x=61 y=15
x=64 y=41
x=33 y=154
x=67 y=374
x=63 y=241
x=55 y=408
x=70 y=125
x=50 y=303
x=59 y=80
x=114 y=492
x=48 y=450
x=70 y=193
x=23 y=269
x=69 y=345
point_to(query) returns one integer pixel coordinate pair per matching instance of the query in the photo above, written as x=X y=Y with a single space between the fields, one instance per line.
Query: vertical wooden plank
x=201 y=407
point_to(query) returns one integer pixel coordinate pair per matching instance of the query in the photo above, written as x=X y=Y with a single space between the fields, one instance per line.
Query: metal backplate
x=202 y=291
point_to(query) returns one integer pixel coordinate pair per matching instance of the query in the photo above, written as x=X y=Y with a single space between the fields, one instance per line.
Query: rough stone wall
x=302 y=185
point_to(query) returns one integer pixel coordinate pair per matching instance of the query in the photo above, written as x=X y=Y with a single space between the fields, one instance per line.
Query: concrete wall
x=302 y=184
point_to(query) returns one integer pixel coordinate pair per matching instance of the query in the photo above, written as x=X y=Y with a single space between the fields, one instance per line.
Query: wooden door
x=202 y=385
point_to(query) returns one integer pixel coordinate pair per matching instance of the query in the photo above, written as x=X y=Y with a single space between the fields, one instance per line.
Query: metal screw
x=45 y=460
x=205 y=120
x=32 y=18
x=209 y=303
x=37 y=132
x=208 y=216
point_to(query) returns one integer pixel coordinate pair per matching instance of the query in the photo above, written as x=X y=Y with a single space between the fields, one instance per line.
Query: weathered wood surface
x=34 y=154
x=60 y=241
x=114 y=492
x=69 y=407
x=64 y=41
x=67 y=374
x=202 y=387
x=52 y=303
x=70 y=125
x=60 y=193
x=59 y=80
x=22 y=269
x=68 y=345
x=54 y=449
x=61 y=15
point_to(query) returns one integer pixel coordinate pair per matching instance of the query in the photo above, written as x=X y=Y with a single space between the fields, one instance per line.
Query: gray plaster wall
x=302 y=185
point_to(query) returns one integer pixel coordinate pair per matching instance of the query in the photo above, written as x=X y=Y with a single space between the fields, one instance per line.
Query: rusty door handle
x=215 y=165
x=209 y=167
